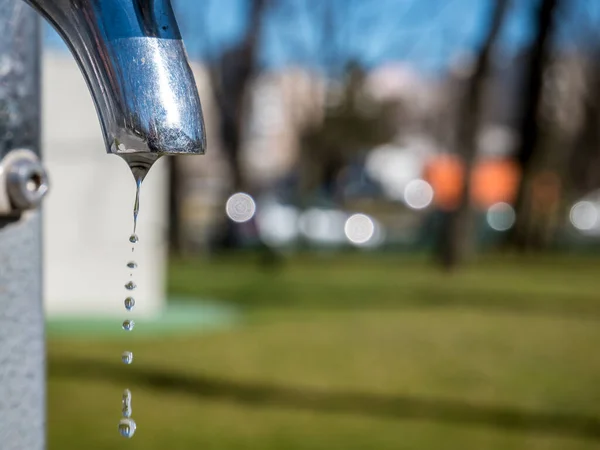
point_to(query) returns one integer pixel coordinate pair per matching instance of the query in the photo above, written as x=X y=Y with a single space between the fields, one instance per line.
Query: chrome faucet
x=136 y=67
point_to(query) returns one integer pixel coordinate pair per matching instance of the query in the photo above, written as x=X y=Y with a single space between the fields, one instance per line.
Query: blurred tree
x=335 y=39
x=456 y=229
x=232 y=71
x=585 y=157
x=351 y=121
x=328 y=47
x=529 y=129
x=231 y=74
x=350 y=125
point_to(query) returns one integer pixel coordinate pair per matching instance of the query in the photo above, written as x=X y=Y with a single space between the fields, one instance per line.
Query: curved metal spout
x=136 y=67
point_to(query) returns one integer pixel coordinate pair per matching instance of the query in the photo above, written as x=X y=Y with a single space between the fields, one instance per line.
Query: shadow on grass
x=386 y=406
x=486 y=300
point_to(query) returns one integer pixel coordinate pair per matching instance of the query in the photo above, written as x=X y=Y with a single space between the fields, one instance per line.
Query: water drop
x=126 y=411
x=127 y=427
x=129 y=303
x=132 y=264
x=130 y=286
x=126 y=403
x=136 y=206
x=127 y=357
x=133 y=238
x=128 y=325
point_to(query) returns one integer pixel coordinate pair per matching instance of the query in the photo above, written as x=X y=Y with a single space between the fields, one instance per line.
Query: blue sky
x=423 y=33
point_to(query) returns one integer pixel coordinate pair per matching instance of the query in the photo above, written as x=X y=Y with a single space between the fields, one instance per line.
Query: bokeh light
x=584 y=215
x=418 y=194
x=277 y=223
x=501 y=216
x=324 y=226
x=240 y=207
x=393 y=167
x=359 y=229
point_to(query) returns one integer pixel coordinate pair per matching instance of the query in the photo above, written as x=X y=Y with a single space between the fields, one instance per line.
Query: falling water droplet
x=127 y=427
x=133 y=238
x=127 y=357
x=128 y=324
x=126 y=411
x=129 y=303
x=126 y=403
x=136 y=205
x=132 y=264
x=130 y=286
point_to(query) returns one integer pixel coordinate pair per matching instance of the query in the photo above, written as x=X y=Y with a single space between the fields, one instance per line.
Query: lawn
x=352 y=352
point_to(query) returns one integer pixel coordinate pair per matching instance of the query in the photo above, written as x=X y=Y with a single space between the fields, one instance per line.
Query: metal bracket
x=23 y=182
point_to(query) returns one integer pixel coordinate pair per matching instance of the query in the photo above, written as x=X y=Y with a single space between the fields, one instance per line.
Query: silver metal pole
x=22 y=352
x=143 y=45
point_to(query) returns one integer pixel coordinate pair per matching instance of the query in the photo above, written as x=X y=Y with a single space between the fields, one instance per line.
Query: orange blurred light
x=445 y=174
x=492 y=181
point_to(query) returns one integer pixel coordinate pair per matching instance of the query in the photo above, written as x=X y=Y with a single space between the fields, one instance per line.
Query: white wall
x=89 y=210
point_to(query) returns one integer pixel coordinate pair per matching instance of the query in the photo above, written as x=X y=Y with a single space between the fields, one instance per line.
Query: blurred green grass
x=352 y=352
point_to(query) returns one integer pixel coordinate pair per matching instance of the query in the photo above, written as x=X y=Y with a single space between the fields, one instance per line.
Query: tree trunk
x=529 y=131
x=457 y=224
x=584 y=160
x=231 y=78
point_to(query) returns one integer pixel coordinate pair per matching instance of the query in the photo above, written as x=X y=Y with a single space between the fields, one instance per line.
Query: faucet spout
x=136 y=67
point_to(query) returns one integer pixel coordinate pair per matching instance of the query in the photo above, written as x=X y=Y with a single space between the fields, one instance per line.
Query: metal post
x=22 y=365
